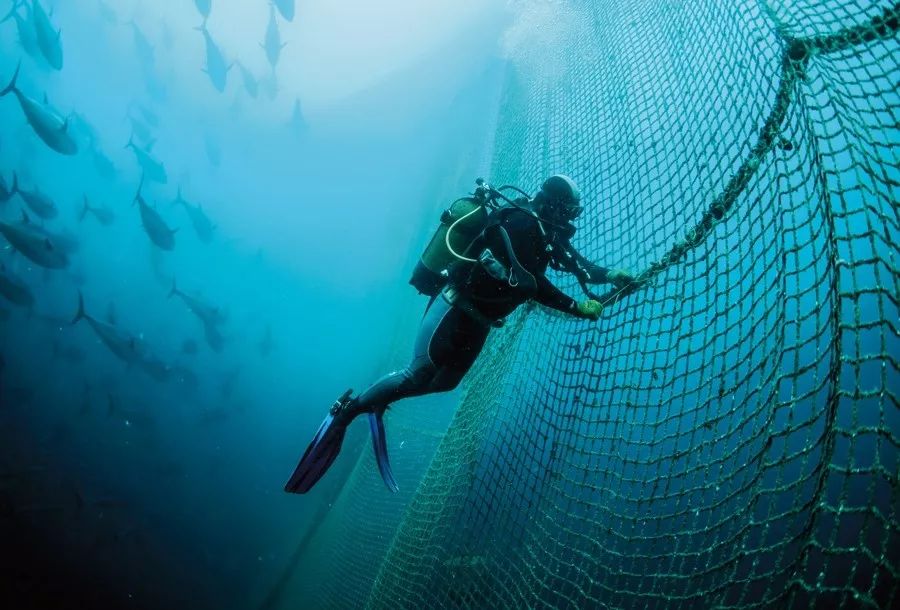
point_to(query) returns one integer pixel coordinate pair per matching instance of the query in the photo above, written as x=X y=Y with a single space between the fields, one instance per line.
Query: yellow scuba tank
x=461 y=223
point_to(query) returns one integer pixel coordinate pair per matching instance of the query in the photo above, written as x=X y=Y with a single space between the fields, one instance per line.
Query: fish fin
x=46 y=99
x=174 y=289
x=25 y=219
x=12 y=83
x=15 y=185
x=149 y=146
x=80 y=314
x=137 y=196
x=130 y=140
x=11 y=13
x=48 y=244
x=84 y=209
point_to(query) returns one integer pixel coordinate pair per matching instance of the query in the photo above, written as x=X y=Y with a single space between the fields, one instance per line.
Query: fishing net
x=727 y=434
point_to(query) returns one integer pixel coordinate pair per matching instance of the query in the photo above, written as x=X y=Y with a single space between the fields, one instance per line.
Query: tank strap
x=457 y=299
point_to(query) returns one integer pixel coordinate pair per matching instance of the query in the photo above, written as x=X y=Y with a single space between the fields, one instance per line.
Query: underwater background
x=227 y=199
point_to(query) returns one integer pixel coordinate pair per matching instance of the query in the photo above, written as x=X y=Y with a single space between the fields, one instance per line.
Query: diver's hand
x=620 y=278
x=589 y=309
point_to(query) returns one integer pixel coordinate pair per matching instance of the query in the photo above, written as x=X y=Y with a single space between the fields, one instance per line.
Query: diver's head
x=559 y=199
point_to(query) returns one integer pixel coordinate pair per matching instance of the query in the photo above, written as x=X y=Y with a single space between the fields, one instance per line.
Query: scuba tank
x=461 y=223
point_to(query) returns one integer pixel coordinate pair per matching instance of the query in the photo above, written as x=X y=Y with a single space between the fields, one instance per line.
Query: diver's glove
x=589 y=309
x=620 y=278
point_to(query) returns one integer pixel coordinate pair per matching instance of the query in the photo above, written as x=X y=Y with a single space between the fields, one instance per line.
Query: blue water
x=158 y=482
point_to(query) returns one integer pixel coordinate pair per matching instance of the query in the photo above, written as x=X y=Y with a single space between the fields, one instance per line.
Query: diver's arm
x=592 y=273
x=550 y=296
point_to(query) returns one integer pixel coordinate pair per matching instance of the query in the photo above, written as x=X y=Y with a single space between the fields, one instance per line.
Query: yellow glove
x=619 y=278
x=590 y=309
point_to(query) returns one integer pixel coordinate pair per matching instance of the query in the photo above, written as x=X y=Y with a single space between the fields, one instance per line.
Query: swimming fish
x=46 y=122
x=216 y=66
x=272 y=44
x=49 y=39
x=157 y=230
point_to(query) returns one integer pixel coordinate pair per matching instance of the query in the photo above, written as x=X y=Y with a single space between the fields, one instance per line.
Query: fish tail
x=79 y=315
x=137 y=196
x=12 y=11
x=12 y=83
x=84 y=210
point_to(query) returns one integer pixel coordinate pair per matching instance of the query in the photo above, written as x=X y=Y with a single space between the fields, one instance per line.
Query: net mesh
x=727 y=435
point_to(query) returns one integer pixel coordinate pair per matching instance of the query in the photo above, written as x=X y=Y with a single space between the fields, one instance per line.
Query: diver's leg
x=446 y=346
x=411 y=380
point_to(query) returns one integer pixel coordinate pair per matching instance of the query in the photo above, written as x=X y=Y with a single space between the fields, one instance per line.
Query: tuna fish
x=273 y=44
x=38 y=202
x=208 y=314
x=46 y=122
x=142 y=46
x=14 y=289
x=34 y=246
x=250 y=83
x=49 y=39
x=157 y=230
x=216 y=66
x=107 y=12
x=104 y=215
x=286 y=8
x=25 y=28
x=203 y=7
x=64 y=241
x=203 y=226
x=213 y=337
x=153 y=169
x=120 y=343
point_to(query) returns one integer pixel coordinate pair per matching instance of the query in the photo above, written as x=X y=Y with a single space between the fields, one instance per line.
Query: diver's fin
x=379 y=444
x=322 y=451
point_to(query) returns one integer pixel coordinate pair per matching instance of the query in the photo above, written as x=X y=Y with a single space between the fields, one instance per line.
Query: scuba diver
x=488 y=257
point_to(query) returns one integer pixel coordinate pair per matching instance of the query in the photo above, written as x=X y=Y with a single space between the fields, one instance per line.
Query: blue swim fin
x=376 y=424
x=322 y=451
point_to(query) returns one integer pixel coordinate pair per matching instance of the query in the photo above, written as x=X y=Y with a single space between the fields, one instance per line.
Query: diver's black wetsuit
x=449 y=338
